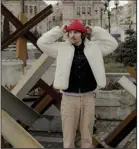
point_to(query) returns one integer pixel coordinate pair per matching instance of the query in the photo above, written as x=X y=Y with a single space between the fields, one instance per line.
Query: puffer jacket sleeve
x=105 y=42
x=47 y=42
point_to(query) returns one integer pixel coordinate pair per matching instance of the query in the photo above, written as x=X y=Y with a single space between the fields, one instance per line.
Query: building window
x=30 y=9
x=89 y=10
x=53 y=18
x=89 y=22
x=84 y=22
x=35 y=10
x=83 y=10
x=26 y=9
x=61 y=16
x=78 y=10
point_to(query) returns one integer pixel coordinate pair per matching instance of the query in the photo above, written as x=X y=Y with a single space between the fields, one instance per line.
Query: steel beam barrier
x=32 y=76
x=17 y=136
x=128 y=85
x=6 y=13
x=120 y=132
x=27 y=26
x=18 y=108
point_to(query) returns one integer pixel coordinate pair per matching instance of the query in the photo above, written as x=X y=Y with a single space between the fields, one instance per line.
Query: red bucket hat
x=76 y=25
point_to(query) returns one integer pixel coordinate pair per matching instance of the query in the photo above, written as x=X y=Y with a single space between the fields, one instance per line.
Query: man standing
x=79 y=73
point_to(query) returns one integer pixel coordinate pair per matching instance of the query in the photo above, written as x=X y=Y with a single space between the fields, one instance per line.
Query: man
x=79 y=73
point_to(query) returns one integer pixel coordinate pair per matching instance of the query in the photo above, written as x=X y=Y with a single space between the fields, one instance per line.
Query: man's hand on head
x=89 y=29
x=63 y=28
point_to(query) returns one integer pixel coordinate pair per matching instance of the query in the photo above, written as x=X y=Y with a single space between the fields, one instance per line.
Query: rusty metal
x=46 y=100
x=48 y=90
x=40 y=106
x=49 y=97
x=32 y=106
x=45 y=106
x=56 y=96
x=21 y=44
x=30 y=24
x=122 y=130
x=43 y=103
x=31 y=21
x=38 y=100
x=132 y=72
x=31 y=98
x=6 y=13
x=125 y=126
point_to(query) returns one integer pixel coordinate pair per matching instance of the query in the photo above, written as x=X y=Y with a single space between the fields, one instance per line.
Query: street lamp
x=129 y=22
x=107 y=8
x=101 y=14
x=22 y=5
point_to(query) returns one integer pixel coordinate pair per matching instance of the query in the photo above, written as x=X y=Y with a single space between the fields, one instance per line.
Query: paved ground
x=54 y=140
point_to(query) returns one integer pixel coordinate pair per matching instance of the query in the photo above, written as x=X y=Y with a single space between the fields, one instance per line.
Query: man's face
x=75 y=37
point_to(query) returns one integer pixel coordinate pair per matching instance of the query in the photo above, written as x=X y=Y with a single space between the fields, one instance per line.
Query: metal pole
x=22 y=5
x=101 y=16
x=109 y=18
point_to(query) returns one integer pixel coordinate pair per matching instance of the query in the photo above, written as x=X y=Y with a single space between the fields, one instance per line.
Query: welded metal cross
x=127 y=125
x=23 y=29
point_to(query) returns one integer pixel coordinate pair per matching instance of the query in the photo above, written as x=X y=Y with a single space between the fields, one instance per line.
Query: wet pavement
x=54 y=139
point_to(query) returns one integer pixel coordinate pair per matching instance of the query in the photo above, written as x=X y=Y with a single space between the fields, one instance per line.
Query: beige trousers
x=78 y=110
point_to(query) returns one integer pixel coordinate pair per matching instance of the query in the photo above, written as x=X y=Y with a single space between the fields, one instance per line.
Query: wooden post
x=21 y=43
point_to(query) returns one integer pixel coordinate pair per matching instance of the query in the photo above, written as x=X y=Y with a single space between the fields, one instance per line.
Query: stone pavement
x=54 y=139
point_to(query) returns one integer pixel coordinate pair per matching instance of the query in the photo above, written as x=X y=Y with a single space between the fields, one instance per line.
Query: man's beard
x=73 y=39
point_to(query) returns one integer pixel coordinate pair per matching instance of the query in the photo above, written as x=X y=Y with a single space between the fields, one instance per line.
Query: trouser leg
x=87 y=120
x=70 y=110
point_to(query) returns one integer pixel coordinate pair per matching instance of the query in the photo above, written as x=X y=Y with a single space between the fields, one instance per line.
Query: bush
x=112 y=85
x=127 y=51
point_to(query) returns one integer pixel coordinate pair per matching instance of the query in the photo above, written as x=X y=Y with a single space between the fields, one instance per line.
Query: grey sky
x=122 y=2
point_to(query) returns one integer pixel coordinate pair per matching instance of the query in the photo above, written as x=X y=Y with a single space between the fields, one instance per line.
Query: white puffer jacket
x=101 y=44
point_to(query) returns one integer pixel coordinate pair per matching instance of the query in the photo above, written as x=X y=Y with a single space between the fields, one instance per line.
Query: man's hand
x=89 y=29
x=63 y=28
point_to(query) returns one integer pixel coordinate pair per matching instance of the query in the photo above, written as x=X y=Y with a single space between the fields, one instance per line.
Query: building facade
x=64 y=11
x=86 y=11
x=122 y=18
